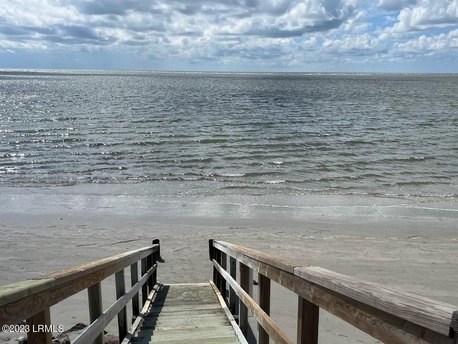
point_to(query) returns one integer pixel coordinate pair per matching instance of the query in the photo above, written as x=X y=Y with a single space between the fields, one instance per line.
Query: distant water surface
x=251 y=134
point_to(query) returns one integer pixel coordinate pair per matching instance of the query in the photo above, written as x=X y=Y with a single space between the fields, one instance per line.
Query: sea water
x=234 y=134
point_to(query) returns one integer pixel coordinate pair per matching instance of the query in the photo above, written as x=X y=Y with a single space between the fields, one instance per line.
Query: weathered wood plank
x=223 y=281
x=235 y=326
x=37 y=334
x=107 y=266
x=176 y=320
x=428 y=313
x=13 y=292
x=218 y=277
x=307 y=322
x=145 y=286
x=237 y=250
x=274 y=331
x=133 y=281
x=245 y=285
x=264 y=303
x=233 y=301
x=381 y=325
x=140 y=318
x=393 y=306
x=122 y=314
x=24 y=299
x=18 y=310
x=95 y=306
x=91 y=332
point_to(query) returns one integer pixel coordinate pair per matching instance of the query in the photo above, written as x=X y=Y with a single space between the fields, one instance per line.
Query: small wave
x=260 y=174
x=277 y=162
x=415 y=183
x=210 y=141
x=359 y=142
x=408 y=159
x=8 y=170
x=274 y=181
x=231 y=175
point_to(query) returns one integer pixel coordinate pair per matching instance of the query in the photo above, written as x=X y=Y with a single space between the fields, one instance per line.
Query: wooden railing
x=392 y=316
x=31 y=300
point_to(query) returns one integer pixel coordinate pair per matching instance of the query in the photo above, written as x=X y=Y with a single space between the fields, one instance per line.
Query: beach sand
x=407 y=244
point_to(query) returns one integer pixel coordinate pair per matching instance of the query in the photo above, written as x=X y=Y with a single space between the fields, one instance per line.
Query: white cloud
x=426 y=14
x=429 y=44
x=355 y=43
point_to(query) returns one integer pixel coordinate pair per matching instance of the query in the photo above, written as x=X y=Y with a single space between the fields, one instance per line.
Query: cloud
x=358 y=44
x=435 y=44
x=395 y=5
x=117 y=7
x=426 y=14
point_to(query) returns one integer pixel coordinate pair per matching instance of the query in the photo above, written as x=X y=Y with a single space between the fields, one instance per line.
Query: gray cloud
x=275 y=32
x=118 y=7
x=395 y=5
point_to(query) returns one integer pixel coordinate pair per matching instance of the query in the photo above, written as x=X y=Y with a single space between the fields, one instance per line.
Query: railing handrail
x=395 y=307
x=106 y=266
x=31 y=299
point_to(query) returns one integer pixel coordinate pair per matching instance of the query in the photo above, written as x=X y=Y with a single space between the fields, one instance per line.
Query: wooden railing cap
x=426 y=312
x=13 y=292
x=278 y=262
x=26 y=291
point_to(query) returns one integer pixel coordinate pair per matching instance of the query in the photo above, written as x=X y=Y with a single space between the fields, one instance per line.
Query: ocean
x=207 y=134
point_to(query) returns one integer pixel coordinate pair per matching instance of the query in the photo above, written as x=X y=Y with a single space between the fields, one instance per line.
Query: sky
x=231 y=35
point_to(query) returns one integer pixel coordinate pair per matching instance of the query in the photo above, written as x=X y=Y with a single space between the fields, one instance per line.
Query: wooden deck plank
x=186 y=313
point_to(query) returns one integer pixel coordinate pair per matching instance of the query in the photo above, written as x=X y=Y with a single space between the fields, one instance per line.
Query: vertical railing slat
x=218 y=276
x=264 y=303
x=233 y=299
x=307 y=322
x=156 y=257
x=95 y=306
x=149 y=264
x=35 y=335
x=122 y=315
x=245 y=285
x=135 y=299
x=223 y=281
x=145 y=286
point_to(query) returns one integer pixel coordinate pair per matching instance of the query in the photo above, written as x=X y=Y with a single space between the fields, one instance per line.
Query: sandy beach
x=407 y=244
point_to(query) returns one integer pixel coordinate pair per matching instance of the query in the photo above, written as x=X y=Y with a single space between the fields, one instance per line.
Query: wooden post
x=94 y=294
x=122 y=315
x=149 y=264
x=38 y=334
x=158 y=252
x=144 y=287
x=135 y=299
x=233 y=299
x=218 y=276
x=212 y=255
x=264 y=303
x=307 y=322
x=156 y=256
x=223 y=281
x=245 y=284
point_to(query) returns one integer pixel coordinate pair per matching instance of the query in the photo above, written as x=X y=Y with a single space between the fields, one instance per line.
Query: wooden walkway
x=198 y=313
x=186 y=313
